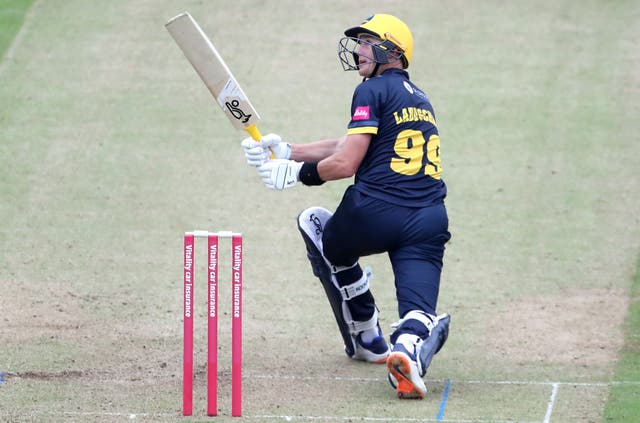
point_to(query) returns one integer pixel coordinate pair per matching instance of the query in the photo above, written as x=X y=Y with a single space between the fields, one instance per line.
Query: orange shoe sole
x=399 y=366
x=381 y=361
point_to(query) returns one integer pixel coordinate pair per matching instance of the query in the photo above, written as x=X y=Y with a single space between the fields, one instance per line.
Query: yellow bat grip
x=255 y=134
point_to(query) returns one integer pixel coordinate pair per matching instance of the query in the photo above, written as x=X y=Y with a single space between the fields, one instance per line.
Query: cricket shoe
x=402 y=363
x=375 y=351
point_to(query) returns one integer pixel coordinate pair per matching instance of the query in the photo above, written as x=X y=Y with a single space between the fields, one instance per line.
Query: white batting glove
x=257 y=153
x=279 y=173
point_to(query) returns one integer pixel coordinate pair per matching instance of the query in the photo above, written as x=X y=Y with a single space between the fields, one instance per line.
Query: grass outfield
x=110 y=148
x=11 y=18
x=623 y=405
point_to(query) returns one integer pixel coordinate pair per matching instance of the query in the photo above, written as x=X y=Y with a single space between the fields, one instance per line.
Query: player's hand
x=257 y=153
x=279 y=173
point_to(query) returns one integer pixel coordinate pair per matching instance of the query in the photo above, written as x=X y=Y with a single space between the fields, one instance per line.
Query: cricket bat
x=214 y=72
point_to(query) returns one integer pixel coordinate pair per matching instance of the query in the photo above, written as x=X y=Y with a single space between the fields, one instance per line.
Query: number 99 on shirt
x=410 y=148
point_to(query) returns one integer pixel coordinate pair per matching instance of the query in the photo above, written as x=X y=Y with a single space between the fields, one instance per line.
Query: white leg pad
x=312 y=221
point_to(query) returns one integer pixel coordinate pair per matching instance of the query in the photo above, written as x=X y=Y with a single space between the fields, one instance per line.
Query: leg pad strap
x=357 y=327
x=357 y=288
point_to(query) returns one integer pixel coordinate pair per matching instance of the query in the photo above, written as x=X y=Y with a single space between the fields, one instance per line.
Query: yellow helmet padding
x=387 y=28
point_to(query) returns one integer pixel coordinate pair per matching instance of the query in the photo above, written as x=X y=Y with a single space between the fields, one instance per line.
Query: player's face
x=366 y=63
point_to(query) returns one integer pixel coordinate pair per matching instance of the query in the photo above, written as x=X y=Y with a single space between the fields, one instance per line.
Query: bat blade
x=214 y=72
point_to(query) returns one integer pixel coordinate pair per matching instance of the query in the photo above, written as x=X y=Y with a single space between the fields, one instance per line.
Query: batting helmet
x=394 y=34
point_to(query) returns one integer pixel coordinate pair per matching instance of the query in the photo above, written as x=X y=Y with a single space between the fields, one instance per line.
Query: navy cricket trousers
x=413 y=237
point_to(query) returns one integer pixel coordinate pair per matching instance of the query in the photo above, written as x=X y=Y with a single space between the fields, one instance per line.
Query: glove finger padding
x=254 y=152
x=258 y=153
x=256 y=156
x=273 y=144
x=270 y=140
x=249 y=143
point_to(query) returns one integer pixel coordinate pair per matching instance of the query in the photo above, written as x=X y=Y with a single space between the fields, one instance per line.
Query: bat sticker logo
x=237 y=112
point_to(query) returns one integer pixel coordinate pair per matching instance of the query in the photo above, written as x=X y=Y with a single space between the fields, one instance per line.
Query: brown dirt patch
x=581 y=327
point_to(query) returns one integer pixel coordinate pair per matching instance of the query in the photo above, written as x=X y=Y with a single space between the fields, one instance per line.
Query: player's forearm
x=315 y=151
x=336 y=168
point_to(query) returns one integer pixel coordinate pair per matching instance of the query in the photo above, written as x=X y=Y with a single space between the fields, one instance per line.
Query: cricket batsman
x=395 y=205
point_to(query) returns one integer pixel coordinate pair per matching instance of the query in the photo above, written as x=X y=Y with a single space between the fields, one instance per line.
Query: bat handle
x=255 y=134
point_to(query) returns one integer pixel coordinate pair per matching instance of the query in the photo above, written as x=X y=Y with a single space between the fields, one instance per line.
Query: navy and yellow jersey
x=402 y=164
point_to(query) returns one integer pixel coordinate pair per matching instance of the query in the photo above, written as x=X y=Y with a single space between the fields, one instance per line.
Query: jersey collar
x=395 y=71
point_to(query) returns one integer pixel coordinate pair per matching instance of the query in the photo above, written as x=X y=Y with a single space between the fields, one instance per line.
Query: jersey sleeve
x=364 y=112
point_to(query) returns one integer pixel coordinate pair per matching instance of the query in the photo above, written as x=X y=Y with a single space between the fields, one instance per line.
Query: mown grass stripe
x=12 y=17
x=623 y=404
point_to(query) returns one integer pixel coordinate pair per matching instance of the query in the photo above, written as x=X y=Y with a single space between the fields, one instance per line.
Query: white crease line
x=471 y=382
x=376 y=419
x=133 y=416
x=551 y=403
x=130 y=416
